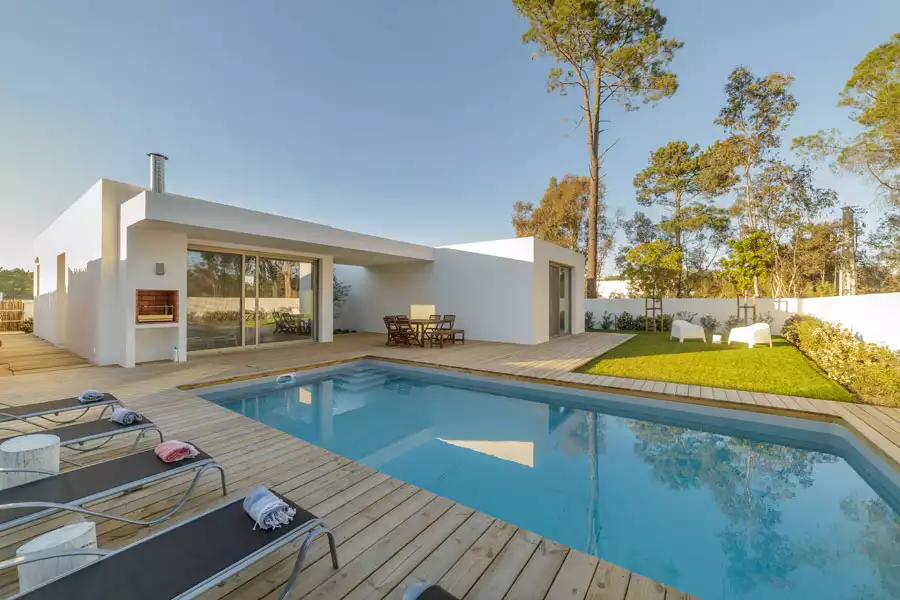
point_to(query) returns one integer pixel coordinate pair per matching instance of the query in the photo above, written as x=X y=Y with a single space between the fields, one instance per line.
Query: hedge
x=870 y=371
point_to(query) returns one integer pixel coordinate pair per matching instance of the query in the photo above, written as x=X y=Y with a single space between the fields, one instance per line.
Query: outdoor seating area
x=66 y=561
x=436 y=330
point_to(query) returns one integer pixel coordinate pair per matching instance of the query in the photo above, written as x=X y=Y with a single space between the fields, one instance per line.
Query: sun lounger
x=55 y=407
x=684 y=330
x=758 y=333
x=181 y=562
x=72 y=489
x=75 y=436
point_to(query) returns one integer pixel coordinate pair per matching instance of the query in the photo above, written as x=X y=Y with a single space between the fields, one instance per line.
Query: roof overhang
x=231 y=225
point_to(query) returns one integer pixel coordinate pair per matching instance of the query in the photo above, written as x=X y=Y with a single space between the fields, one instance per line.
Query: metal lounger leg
x=301 y=557
x=141 y=436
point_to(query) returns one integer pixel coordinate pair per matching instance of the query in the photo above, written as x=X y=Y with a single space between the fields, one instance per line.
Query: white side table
x=717 y=338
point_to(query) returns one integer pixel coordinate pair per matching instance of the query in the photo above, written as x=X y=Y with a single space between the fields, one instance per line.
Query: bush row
x=625 y=321
x=870 y=371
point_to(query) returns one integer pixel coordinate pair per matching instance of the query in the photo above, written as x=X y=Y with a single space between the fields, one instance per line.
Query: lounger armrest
x=39 y=556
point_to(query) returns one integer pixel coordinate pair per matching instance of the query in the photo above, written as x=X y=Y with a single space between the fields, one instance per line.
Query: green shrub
x=686 y=315
x=732 y=322
x=709 y=323
x=27 y=326
x=588 y=319
x=625 y=322
x=870 y=371
x=607 y=320
x=765 y=317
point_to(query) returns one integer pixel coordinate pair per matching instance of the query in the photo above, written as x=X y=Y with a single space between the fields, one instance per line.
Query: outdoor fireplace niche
x=156 y=306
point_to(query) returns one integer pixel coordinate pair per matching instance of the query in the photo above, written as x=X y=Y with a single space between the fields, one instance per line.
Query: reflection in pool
x=714 y=515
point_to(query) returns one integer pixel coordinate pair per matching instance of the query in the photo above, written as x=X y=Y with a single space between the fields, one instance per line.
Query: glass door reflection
x=286 y=300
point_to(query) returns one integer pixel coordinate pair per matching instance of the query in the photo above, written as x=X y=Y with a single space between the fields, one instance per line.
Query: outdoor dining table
x=419 y=326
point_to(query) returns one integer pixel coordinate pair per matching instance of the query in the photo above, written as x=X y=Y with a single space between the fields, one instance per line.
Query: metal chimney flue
x=157 y=172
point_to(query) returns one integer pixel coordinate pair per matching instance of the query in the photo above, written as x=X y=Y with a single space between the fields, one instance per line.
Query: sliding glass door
x=214 y=300
x=286 y=300
x=248 y=299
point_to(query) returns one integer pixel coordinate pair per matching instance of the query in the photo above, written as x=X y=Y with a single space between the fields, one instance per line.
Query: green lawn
x=781 y=369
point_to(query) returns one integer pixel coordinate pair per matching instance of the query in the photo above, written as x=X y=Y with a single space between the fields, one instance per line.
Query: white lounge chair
x=758 y=333
x=687 y=331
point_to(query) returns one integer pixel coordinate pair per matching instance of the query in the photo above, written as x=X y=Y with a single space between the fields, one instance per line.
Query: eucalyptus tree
x=609 y=51
x=756 y=110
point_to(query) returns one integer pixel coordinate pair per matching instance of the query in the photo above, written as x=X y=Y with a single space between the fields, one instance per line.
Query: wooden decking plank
x=536 y=578
x=574 y=578
x=392 y=572
x=446 y=555
x=610 y=582
x=463 y=575
x=503 y=571
x=641 y=588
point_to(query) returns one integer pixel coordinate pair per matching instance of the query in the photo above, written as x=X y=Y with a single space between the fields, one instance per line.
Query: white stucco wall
x=873 y=317
x=87 y=232
x=499 y=290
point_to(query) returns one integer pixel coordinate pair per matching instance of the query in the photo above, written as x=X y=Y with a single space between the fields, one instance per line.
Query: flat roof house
x=128 y=274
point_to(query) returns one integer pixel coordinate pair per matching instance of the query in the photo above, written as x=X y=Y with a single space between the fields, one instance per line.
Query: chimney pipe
x=157 y=172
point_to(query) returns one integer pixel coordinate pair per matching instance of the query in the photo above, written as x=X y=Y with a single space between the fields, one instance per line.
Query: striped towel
x=267 y=510
x=125 y=416
x=88 y=396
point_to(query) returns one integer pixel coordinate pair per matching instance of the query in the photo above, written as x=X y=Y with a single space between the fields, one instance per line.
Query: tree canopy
x=16 y=283
x=609 y=50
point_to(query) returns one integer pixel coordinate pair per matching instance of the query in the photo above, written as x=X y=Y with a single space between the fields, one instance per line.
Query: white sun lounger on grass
x=758 y=333
x=686 y=331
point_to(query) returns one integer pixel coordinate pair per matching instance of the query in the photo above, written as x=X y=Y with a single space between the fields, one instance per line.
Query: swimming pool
x=718 y=503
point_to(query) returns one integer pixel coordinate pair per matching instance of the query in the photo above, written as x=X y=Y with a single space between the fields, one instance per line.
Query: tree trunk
x=751 y=217
x=680 y=283
x=592 y=112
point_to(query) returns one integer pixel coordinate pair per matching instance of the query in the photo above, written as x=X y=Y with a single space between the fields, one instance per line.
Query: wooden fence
x=12 y=312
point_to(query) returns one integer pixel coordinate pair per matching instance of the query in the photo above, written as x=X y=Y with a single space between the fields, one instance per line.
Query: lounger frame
x=107 y=404
x=312 y=529
x=75 y=506
x=107 y=436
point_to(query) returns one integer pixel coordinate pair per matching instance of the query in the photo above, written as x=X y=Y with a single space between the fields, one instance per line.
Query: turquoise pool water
x=715 y=513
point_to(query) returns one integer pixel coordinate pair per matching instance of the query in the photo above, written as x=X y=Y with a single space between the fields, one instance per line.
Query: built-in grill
x=156 y=306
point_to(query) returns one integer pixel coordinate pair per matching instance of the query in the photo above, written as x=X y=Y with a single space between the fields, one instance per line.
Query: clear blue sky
x=418 y=120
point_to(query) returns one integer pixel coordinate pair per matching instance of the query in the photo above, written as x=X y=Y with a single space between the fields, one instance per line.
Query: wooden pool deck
x=390 y=533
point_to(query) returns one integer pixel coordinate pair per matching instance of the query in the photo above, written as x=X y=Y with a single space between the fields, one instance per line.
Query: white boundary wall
x=871 y=317
x=498 y=290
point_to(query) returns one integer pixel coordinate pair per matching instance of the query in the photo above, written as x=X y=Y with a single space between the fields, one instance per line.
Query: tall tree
x=756 y=110
x=749 y=261
x=562 y=216
x=873 y=95
x=16 y=283
x=652 y=268
x=609 y=50
x=787 y=204
x=676 y=176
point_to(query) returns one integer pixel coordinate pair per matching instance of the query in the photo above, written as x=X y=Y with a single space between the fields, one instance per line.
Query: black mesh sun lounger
x=74 y=436
x=436 y=593
x=72 y=489
x=53 y=408
x=181 y=562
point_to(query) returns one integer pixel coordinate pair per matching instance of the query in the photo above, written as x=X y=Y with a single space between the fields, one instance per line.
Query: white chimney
x=157 y=172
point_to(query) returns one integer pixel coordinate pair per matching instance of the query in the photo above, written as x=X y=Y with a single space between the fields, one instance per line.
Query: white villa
x=128 y=274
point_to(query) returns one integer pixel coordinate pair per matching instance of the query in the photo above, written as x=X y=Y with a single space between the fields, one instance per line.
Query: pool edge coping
x=681 y=399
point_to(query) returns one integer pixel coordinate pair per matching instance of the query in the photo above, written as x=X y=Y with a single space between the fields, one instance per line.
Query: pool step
x=358 y=380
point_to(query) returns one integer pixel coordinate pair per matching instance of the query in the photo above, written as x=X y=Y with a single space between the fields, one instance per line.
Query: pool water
x=715 y=515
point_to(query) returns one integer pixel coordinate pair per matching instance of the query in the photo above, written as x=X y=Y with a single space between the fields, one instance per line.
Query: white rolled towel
x=125 y=416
